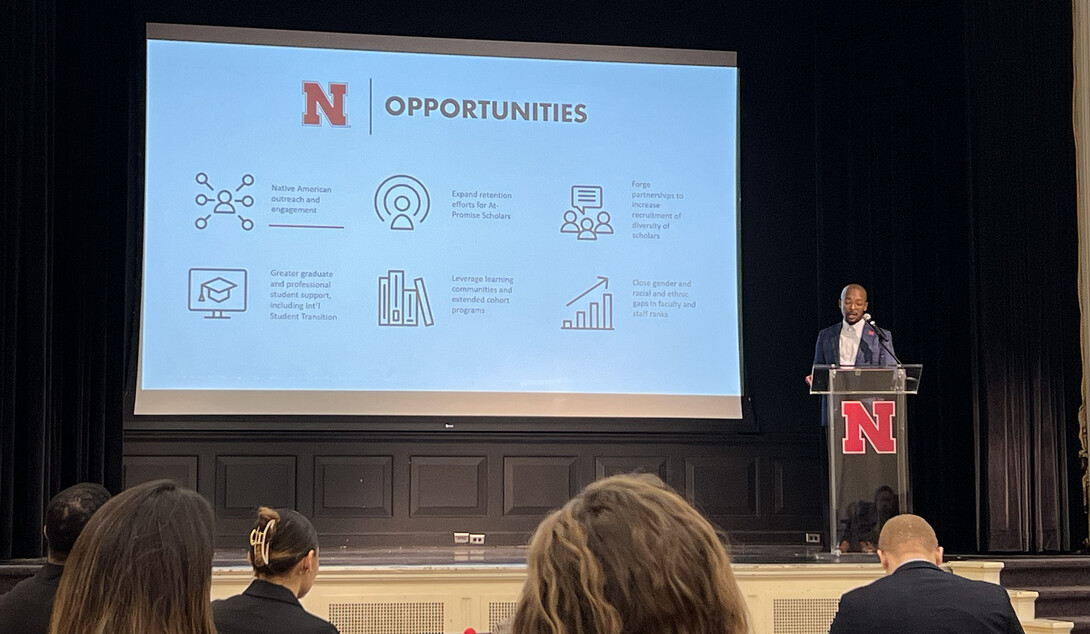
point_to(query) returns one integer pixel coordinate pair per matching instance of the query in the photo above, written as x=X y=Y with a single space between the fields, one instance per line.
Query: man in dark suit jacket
x=918 y=596
x=27 y=607
x=853 y=341
x=856 y=333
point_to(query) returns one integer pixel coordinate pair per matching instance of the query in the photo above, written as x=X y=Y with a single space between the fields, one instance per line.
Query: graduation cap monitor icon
x=217 y=291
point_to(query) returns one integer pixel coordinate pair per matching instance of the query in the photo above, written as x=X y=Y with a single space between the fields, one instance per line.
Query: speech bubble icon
x=584 y=197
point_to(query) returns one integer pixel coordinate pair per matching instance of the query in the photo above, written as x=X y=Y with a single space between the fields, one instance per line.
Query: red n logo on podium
x=332 y=105
x=859 y=423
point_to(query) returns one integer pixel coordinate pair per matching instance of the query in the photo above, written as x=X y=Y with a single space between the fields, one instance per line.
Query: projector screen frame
x=433 y=419
x=438 y=46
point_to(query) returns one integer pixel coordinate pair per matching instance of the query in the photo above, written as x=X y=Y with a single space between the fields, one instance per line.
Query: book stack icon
x=400 y=304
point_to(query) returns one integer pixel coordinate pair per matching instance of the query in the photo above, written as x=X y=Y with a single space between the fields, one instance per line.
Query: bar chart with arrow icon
x=598 y=311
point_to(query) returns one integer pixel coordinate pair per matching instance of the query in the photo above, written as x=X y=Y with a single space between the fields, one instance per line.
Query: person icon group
x=587 y=228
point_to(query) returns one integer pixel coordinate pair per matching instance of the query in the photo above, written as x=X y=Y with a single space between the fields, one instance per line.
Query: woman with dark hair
x=143 y=564
x=284 y=554
x=628 y=554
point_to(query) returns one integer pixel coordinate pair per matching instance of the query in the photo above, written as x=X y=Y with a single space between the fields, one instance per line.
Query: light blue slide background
x=229 y=110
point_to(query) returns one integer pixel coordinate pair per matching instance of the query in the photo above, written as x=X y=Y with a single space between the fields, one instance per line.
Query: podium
x=868 y=449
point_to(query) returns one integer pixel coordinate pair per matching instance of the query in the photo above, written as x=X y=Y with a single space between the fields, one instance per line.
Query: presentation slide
x=344 y=224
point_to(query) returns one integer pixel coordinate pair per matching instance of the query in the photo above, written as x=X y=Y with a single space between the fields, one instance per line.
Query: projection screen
x=371 y=225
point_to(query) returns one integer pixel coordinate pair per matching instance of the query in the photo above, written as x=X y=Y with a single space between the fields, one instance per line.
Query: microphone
x=882 y=337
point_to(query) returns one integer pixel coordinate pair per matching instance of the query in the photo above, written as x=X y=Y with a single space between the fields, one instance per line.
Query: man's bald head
x=906 y=537
x=853 y=287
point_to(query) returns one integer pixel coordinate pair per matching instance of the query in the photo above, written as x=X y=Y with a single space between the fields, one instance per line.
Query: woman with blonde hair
x=628 y=555
x=284 y=555
x=142 y=565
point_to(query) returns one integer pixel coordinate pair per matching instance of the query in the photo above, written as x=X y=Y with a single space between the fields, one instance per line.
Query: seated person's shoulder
x=986 y=588
x=24 y=606
x=240 y=614
x=318 y=625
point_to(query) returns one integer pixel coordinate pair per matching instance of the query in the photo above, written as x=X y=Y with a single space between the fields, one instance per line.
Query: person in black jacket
x=284 y=554
x=918 y=596
x=26 y=608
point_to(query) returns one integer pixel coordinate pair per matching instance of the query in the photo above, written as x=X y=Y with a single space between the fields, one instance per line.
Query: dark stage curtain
x=61 y=342
x=946 y=184
x=1021 y=167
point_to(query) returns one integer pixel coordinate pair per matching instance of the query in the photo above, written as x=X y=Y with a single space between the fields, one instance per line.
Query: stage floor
x=516 y=556
x=412 y=556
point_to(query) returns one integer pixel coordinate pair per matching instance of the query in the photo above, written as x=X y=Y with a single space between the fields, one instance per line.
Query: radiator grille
x=803 y=616
x=388 y=618
x=499 y=612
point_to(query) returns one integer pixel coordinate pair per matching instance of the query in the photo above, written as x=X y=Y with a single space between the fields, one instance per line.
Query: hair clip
x=260 y=539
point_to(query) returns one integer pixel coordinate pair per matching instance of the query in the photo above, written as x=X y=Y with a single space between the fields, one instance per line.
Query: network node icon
x=402 y=202
x=224 y=201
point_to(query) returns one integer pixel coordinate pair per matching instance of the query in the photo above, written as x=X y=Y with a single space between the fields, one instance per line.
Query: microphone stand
x=882 y=338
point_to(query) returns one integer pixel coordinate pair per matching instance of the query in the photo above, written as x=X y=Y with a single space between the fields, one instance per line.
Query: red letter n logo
x=878 y=430
x=332 y=105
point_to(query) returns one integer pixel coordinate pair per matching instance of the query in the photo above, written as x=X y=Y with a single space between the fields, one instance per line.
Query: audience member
x=143 y=564
x=628 y=555
x=26 y=608
x=918 y=596
x=284 y=554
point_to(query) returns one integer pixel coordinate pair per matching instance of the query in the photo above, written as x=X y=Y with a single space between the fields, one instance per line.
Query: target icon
x=402 y=201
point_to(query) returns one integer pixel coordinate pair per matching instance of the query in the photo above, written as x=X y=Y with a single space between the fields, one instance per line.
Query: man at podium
x=854 y=341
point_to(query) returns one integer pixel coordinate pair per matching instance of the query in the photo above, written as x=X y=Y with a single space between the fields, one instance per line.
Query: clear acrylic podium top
x=874 y=381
